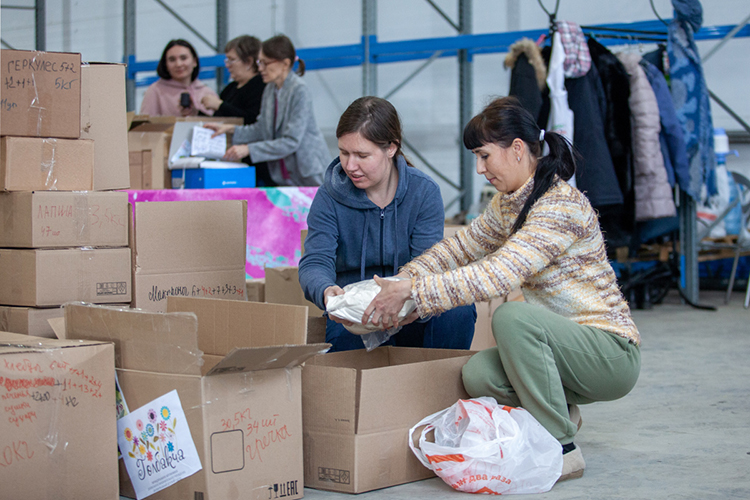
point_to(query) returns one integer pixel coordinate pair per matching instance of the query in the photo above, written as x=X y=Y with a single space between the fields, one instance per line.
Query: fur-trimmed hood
x=533 y=54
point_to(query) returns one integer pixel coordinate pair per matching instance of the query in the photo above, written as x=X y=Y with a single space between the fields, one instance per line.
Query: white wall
x=429 y=103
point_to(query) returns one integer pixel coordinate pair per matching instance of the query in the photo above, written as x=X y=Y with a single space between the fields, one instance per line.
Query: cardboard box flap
x=329 y=397
x=247 y=359
x=16 y=342
x=386 y=393
x=155 y=342
x=226 y=324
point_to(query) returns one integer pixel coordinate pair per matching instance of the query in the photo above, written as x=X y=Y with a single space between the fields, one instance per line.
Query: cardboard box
x=188 y=249
x=153 y=137
x=41 y=94
x=140 y=169
x=213 y=178
x=104 y=120
x=282 y=287
x=29 y=320
x=357 y=409
x=32 y=164
x=316 y=330
x=58 y=400
x=483 y=337
x=256 y=289
x=242 y=398
x=53 y=277
x=63 y=219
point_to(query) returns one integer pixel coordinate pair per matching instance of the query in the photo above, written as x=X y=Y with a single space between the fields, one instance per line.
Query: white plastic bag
x=482 y=447
x=351 y=307
x=352 y=304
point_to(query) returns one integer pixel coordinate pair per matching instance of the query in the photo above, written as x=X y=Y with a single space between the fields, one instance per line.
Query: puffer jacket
x=653 y=195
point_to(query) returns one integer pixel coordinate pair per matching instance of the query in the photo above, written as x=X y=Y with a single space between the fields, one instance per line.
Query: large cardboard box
x=46 y=278
x=282 y=287
x=140 y=169
x=63 y=219
x=57 y=434
x=154 y=138
x=358 y=407
x=104 y=120
x=237 y=373
x=41 y=94
x=188 y=249
x=256 y=289
x=30 y=164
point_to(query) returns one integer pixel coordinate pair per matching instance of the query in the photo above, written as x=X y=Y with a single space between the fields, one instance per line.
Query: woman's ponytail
x=503 y=121
x=558 y=162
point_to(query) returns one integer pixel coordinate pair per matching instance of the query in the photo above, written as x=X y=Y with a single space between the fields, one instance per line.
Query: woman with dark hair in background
x=286 y=134
x=243 y=94
x=178 y=72
x=373 y=214
x=573 y=341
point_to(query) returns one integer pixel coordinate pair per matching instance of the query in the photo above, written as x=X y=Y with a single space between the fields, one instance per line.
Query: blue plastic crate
x=212 y=178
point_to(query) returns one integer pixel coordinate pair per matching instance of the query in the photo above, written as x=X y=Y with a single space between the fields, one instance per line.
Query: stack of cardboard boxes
x=63 y=233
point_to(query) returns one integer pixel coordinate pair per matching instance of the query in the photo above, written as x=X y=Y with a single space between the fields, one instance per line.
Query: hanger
x=552 y=16
x=657 y=14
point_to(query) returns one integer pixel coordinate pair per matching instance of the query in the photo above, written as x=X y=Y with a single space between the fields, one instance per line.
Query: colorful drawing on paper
x=275 y=219
x=157 y=445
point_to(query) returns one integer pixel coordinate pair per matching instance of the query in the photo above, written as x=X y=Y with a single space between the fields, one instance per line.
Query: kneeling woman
x=374 y=213
x=573 y=341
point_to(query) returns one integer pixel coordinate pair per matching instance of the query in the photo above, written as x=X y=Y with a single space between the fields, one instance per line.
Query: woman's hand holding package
x=332 y=291
x=384 y=308
x=211 y=101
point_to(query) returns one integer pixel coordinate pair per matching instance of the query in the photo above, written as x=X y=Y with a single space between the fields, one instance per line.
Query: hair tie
x=541 y=136
x=296 y=58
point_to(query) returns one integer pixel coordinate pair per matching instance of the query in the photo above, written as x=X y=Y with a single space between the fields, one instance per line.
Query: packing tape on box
x=81 y=215
x=47 y=164
x=4 y=319
x=36 y=102
x=84 y=279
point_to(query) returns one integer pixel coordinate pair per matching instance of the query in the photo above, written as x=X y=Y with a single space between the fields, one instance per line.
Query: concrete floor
x=682 y=433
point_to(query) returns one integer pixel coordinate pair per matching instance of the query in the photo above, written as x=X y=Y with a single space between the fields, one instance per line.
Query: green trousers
x=543 y=362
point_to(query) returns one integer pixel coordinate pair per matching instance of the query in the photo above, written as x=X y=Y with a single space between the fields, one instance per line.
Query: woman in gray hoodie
x=373 y=214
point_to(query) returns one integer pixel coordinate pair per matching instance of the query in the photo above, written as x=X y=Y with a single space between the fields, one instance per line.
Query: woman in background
x=178 y=72
x=373 y=214
x=242 y=96
x=286 y=134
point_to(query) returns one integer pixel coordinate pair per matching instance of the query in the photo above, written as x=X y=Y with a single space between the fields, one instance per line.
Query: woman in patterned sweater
x=573 y=341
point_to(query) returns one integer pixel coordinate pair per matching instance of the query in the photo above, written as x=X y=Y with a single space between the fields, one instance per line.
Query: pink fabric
x=162 y=98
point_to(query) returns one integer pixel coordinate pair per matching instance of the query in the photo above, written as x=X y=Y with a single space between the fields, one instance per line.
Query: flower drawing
x=128 y=434
x=165 y=413
x=135 y=441
x=152 y=416
x=142 y=450
x=139 y=425
x=162 y=436
x=162 y=426
x=150 y=429
x=170 y=446
x=149 y=456
x=144 y=437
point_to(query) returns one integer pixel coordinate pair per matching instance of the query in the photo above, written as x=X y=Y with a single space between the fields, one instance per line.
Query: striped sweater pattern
x=558 y=259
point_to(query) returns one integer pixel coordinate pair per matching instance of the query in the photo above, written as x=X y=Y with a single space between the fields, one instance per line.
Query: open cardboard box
x=236 y=368
x=58 y=437
x=358 y=408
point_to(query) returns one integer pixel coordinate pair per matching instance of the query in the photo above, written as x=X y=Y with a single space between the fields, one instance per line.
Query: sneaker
x=575 y=415
x=573 y=465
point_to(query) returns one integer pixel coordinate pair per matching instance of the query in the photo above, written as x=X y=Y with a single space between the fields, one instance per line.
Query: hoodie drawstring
x=395 y=237
x=364 y=249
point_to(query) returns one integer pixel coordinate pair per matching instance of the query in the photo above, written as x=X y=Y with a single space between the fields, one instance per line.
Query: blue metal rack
x=343 y=56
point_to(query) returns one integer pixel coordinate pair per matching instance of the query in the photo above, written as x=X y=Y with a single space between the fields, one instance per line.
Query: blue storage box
x=212 y=178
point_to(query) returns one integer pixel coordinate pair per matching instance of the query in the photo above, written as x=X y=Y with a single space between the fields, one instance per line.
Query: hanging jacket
x=670 y=138
x=689 y=91
x=616 y=87
x=653 y=195
x=528 y=74
x=350 y=239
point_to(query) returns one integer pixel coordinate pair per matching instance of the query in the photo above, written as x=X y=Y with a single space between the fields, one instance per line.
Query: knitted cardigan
x=557 y=257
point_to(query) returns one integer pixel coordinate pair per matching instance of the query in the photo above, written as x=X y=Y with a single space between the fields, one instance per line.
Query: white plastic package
x=480 y=446
x=351 y=307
